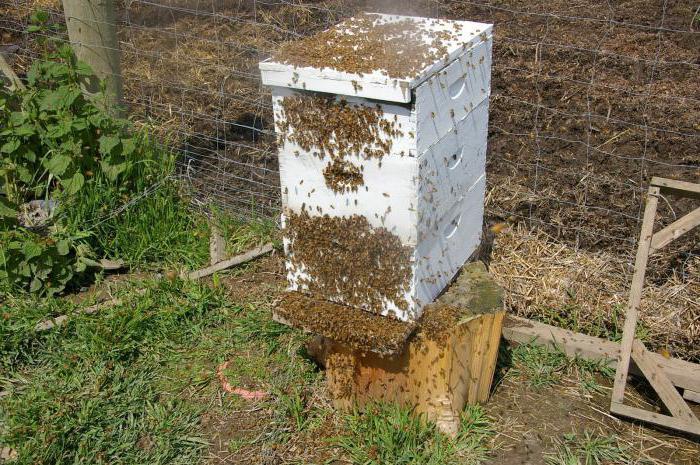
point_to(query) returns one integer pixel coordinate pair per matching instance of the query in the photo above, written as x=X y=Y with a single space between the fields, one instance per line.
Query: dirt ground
x=529 y=421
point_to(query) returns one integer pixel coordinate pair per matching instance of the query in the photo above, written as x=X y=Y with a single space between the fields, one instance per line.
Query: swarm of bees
x=342 y=176
x=367 y=43
x=360 y=330
x=326 y=126
x=349 y=261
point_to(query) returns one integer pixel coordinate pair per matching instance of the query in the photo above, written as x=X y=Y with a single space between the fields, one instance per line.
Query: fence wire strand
x=577 y=126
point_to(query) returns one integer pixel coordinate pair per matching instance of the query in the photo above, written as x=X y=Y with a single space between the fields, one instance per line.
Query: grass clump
x=90 y=391
x=544 y=367
x=387 y=433
x=587 y=449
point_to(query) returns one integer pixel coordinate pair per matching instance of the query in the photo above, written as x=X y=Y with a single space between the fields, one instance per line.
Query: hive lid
x=372 y=55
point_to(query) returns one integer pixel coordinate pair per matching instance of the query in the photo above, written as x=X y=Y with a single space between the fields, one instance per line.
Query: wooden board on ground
x=683 y=374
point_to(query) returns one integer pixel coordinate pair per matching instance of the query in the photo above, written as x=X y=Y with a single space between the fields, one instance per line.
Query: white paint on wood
x=429 y=189
x=377 y=84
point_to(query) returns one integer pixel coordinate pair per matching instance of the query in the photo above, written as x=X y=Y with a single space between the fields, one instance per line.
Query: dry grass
x=587 y=291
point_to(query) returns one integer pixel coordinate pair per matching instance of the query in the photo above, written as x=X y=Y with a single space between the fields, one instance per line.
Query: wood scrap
x=13 y=82
x=520 y=330
x=50 y=323
x=228 y=263
x=681 y=417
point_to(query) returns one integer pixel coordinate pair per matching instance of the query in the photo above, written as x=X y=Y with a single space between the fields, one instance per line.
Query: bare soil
x=528 y=420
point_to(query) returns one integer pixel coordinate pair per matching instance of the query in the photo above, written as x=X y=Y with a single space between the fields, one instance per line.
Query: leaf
x=10 y=146
x=35 y=285
x=73 y=184
x=31 y=249
x=128 y=146
x=62 y=247
x=39 y=16
x=24 y=130
x=107 y=144
x=58 y=99
x=83 y=69
x=57 y=164
x=112 y=171
x=7 y=208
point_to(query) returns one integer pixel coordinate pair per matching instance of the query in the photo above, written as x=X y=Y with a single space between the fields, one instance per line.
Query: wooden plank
x=676 y=229
x=675 y=187
x=661 y=384
x=519 y=330
x=490 y=358
x=655 y=418
x=479 y=338
x=217 y=244
x=692 y=396
x=635 y=297
x=237 y=260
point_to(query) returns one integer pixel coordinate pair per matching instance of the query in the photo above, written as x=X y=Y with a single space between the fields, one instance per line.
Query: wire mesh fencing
x=589 y=101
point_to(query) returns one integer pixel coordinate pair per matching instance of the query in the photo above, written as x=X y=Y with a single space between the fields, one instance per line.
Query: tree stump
x=448 y=362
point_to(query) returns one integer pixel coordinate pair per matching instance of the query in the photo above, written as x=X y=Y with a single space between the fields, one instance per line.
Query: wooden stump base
x=447 y=363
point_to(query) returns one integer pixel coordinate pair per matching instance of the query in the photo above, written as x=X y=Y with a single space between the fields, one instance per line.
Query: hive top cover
x=371 y=55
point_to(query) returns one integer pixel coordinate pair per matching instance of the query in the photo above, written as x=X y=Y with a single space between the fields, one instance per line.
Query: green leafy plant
x=57 y=146
x=385 y=433
x=53 y=138
x=41 y=264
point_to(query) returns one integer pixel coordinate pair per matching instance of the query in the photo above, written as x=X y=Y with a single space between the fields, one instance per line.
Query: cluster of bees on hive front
x=368 y=43
x=343 y=176
x=349 y=261
x=354 y=327
x=324 y=126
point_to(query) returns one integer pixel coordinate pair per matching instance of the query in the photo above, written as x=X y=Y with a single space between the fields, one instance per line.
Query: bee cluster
x=334 y=128
x=324 y=126
x=382 y=164
x=346 y=260
x=343 y=176
x=359 y=330
x=369 y=42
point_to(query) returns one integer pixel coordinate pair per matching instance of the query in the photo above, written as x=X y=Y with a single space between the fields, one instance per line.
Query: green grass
x=384 y=433
x=243 y=235
x=587 y=449
x=570 y=315
x=544 y=367
x=129 y=384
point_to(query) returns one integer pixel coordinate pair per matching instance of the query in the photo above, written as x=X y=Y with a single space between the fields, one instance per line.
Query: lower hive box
x=391 y=243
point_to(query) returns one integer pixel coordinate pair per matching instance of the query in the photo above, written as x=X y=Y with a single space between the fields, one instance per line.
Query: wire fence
x=589 y=100
x=599 y=98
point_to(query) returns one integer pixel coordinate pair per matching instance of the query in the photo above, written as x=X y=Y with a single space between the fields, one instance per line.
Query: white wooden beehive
x=419 y=179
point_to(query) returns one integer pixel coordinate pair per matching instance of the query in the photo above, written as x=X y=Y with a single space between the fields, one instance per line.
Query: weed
x=587 y=449
x=89 y=391
x=292 y=406
x=243 y=235
x=474 y=431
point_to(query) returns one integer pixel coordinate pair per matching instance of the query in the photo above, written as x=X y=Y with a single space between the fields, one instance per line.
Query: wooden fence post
x=92 y=31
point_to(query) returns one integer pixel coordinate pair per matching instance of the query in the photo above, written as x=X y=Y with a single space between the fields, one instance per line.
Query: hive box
x=391 y=166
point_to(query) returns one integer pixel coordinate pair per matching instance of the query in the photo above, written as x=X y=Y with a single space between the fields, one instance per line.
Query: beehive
x=382 y=124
